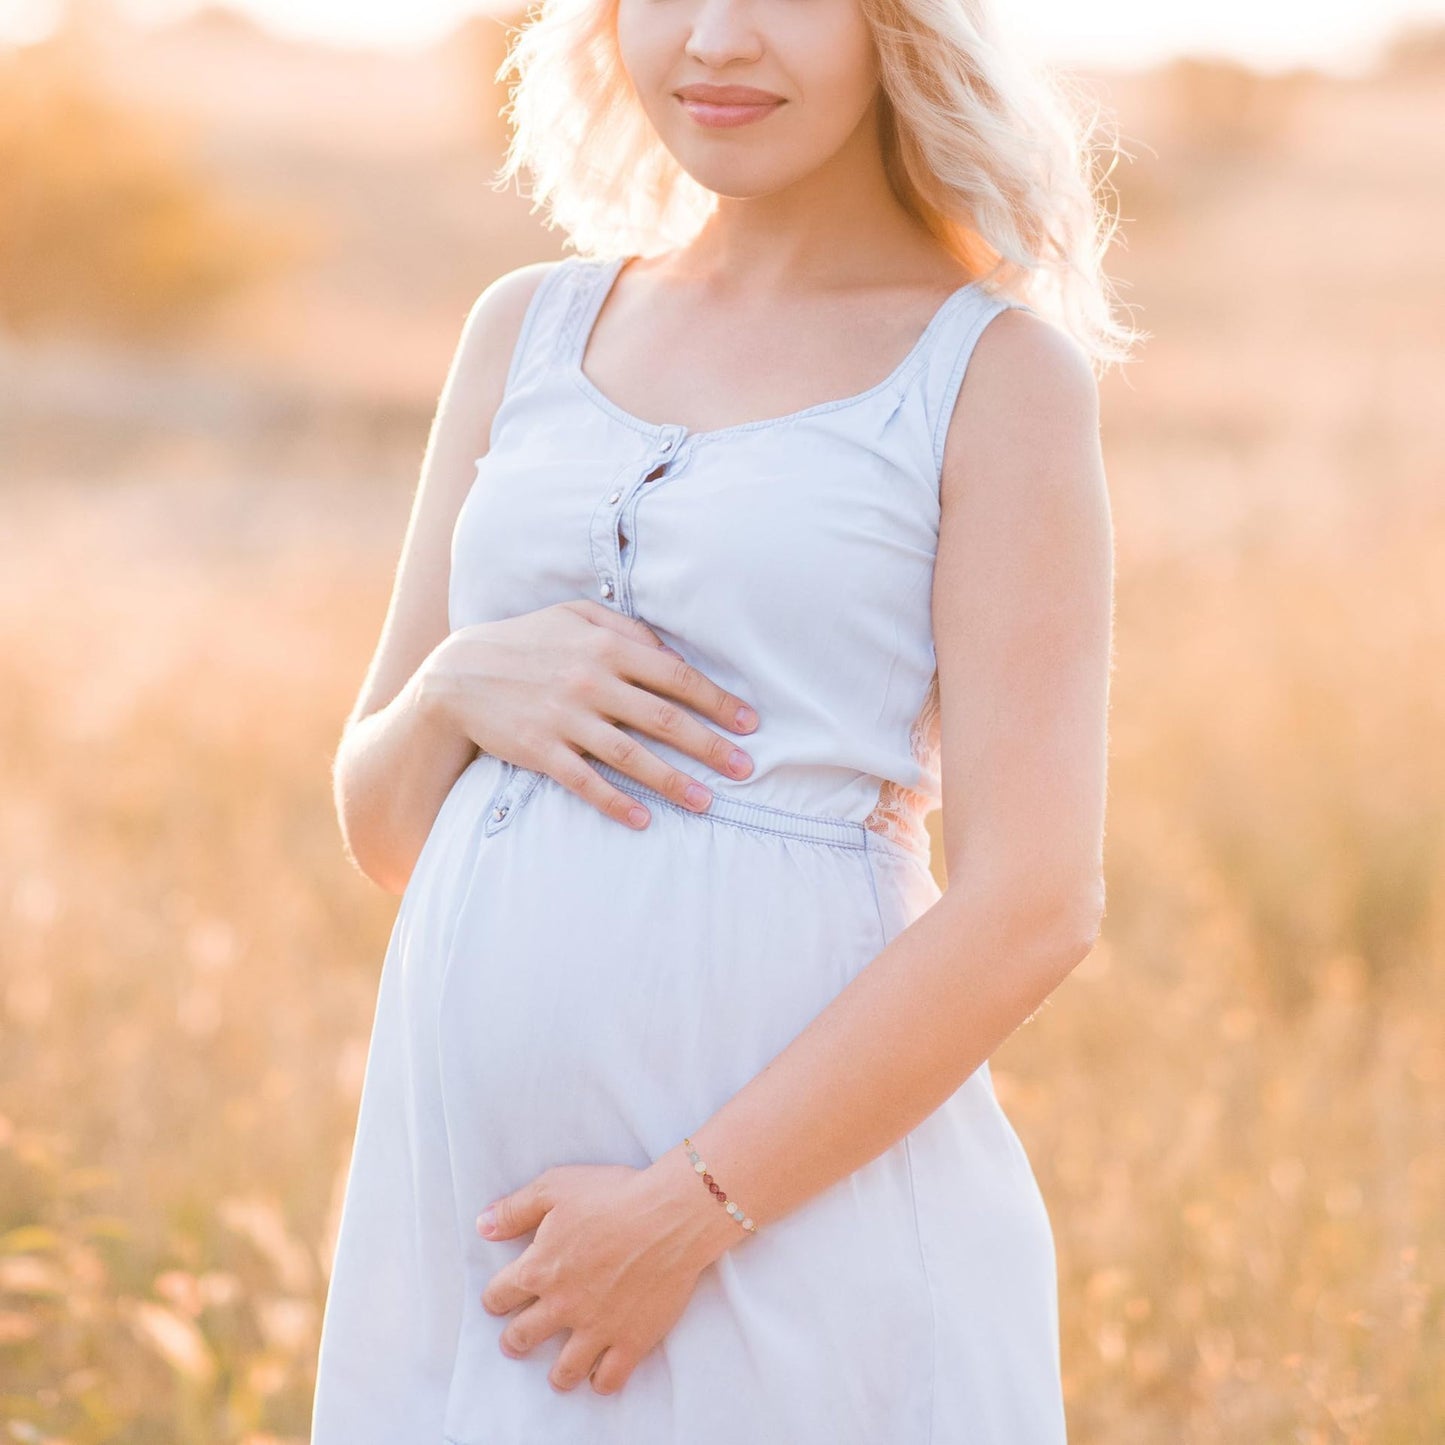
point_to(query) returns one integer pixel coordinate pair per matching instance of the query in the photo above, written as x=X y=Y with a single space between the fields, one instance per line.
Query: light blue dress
x=560 y=988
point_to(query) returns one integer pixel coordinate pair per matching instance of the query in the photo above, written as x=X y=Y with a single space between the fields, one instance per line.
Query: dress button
x=666 y=444
x=500 y=813
x=615 y=497
x=607 y=589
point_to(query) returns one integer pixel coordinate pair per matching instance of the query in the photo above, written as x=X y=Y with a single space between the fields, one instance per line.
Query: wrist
x=433 y=691
x=705 y=1228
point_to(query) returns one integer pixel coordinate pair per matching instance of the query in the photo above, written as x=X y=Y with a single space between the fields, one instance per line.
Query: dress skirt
x=559 y=988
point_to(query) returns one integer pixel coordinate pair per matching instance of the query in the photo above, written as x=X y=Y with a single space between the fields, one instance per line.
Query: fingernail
x=487 y=1220
x=637 y=816
x=696 y=794
x=746 y=717
x=739 y=761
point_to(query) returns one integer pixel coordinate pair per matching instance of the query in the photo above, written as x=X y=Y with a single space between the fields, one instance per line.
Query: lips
x=728 y=95
x=727 y=105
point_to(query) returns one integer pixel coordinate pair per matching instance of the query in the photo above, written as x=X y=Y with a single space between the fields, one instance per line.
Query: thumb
x=513 y=1213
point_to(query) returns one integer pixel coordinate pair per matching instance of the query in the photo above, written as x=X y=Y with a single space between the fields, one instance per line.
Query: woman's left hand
x=616 y=1257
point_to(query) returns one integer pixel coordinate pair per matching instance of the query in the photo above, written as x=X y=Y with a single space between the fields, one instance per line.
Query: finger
x=668 y=674
x=610 y=1372
x=574 y=1363
x=503 y=1293
x=525 y=1331
x=514 y=1213
x=575 y=774
x=665 y=720
x=618 y=622
x=667 y=671
x=520 y=1282
x=609 y=744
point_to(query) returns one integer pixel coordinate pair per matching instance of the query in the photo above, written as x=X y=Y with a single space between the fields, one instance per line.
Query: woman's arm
x=1022 y=604
x=397 y=759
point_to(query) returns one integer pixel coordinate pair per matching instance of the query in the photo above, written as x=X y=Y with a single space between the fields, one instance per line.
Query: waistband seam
x=758 y=817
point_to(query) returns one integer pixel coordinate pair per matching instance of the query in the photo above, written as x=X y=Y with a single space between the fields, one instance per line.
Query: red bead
x=707 y=1179
x=721 y=1197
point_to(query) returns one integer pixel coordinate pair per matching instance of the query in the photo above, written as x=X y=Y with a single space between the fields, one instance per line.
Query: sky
x=1341 y=36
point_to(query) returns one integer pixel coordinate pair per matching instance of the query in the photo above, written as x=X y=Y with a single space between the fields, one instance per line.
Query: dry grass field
x=1236 y=1106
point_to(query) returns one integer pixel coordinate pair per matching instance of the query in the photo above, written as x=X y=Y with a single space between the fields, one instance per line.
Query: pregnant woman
x=749 y=533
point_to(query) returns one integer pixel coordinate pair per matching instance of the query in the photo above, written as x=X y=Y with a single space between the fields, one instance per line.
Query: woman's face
x=813 y=60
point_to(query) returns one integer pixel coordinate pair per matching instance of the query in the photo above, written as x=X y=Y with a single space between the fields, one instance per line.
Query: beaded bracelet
x=711 y=1183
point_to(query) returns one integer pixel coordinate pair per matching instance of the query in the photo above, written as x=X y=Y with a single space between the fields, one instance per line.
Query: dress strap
x=949 y=355
x=586 y=284
x=545 y=323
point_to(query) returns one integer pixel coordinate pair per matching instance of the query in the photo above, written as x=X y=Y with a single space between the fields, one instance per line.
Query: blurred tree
x=106 y=225
x=1416 y=50
x=1206 y=121
x=1225 y=108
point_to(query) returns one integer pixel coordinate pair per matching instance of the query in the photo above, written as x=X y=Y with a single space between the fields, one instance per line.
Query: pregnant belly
x=604 y=990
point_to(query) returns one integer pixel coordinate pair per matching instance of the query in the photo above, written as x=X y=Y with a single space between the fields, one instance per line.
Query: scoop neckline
x=606 y=276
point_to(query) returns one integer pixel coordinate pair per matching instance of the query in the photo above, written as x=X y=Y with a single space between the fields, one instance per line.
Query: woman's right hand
x=542 y=689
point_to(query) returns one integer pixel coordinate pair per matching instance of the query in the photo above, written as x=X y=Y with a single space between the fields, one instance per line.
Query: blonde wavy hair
x=1002 y=161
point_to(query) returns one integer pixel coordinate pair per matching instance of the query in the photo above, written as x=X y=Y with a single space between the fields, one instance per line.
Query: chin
x=745 y=180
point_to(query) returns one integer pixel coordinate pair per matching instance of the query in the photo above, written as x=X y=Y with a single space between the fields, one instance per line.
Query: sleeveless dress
x=560 y=988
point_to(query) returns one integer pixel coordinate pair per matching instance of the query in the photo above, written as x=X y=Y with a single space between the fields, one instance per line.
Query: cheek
x=828 y=54
x=649 y=46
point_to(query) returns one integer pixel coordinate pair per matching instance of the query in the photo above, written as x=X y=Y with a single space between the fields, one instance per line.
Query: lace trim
x=574 y=307
x=899 y=812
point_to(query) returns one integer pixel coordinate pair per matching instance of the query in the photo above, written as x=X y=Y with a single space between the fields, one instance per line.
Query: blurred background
x=236 y=250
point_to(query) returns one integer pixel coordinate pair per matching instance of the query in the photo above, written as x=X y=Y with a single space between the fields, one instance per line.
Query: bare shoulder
x=494 y=324
x=1027 y=415
x=417 y=618
x=507 y=297
x=1022 y=355
x=481 y=360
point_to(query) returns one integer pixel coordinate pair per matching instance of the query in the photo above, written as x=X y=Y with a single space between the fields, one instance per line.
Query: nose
x=723 y=31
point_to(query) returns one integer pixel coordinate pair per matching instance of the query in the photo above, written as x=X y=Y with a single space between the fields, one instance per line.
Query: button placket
x=611 y=521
